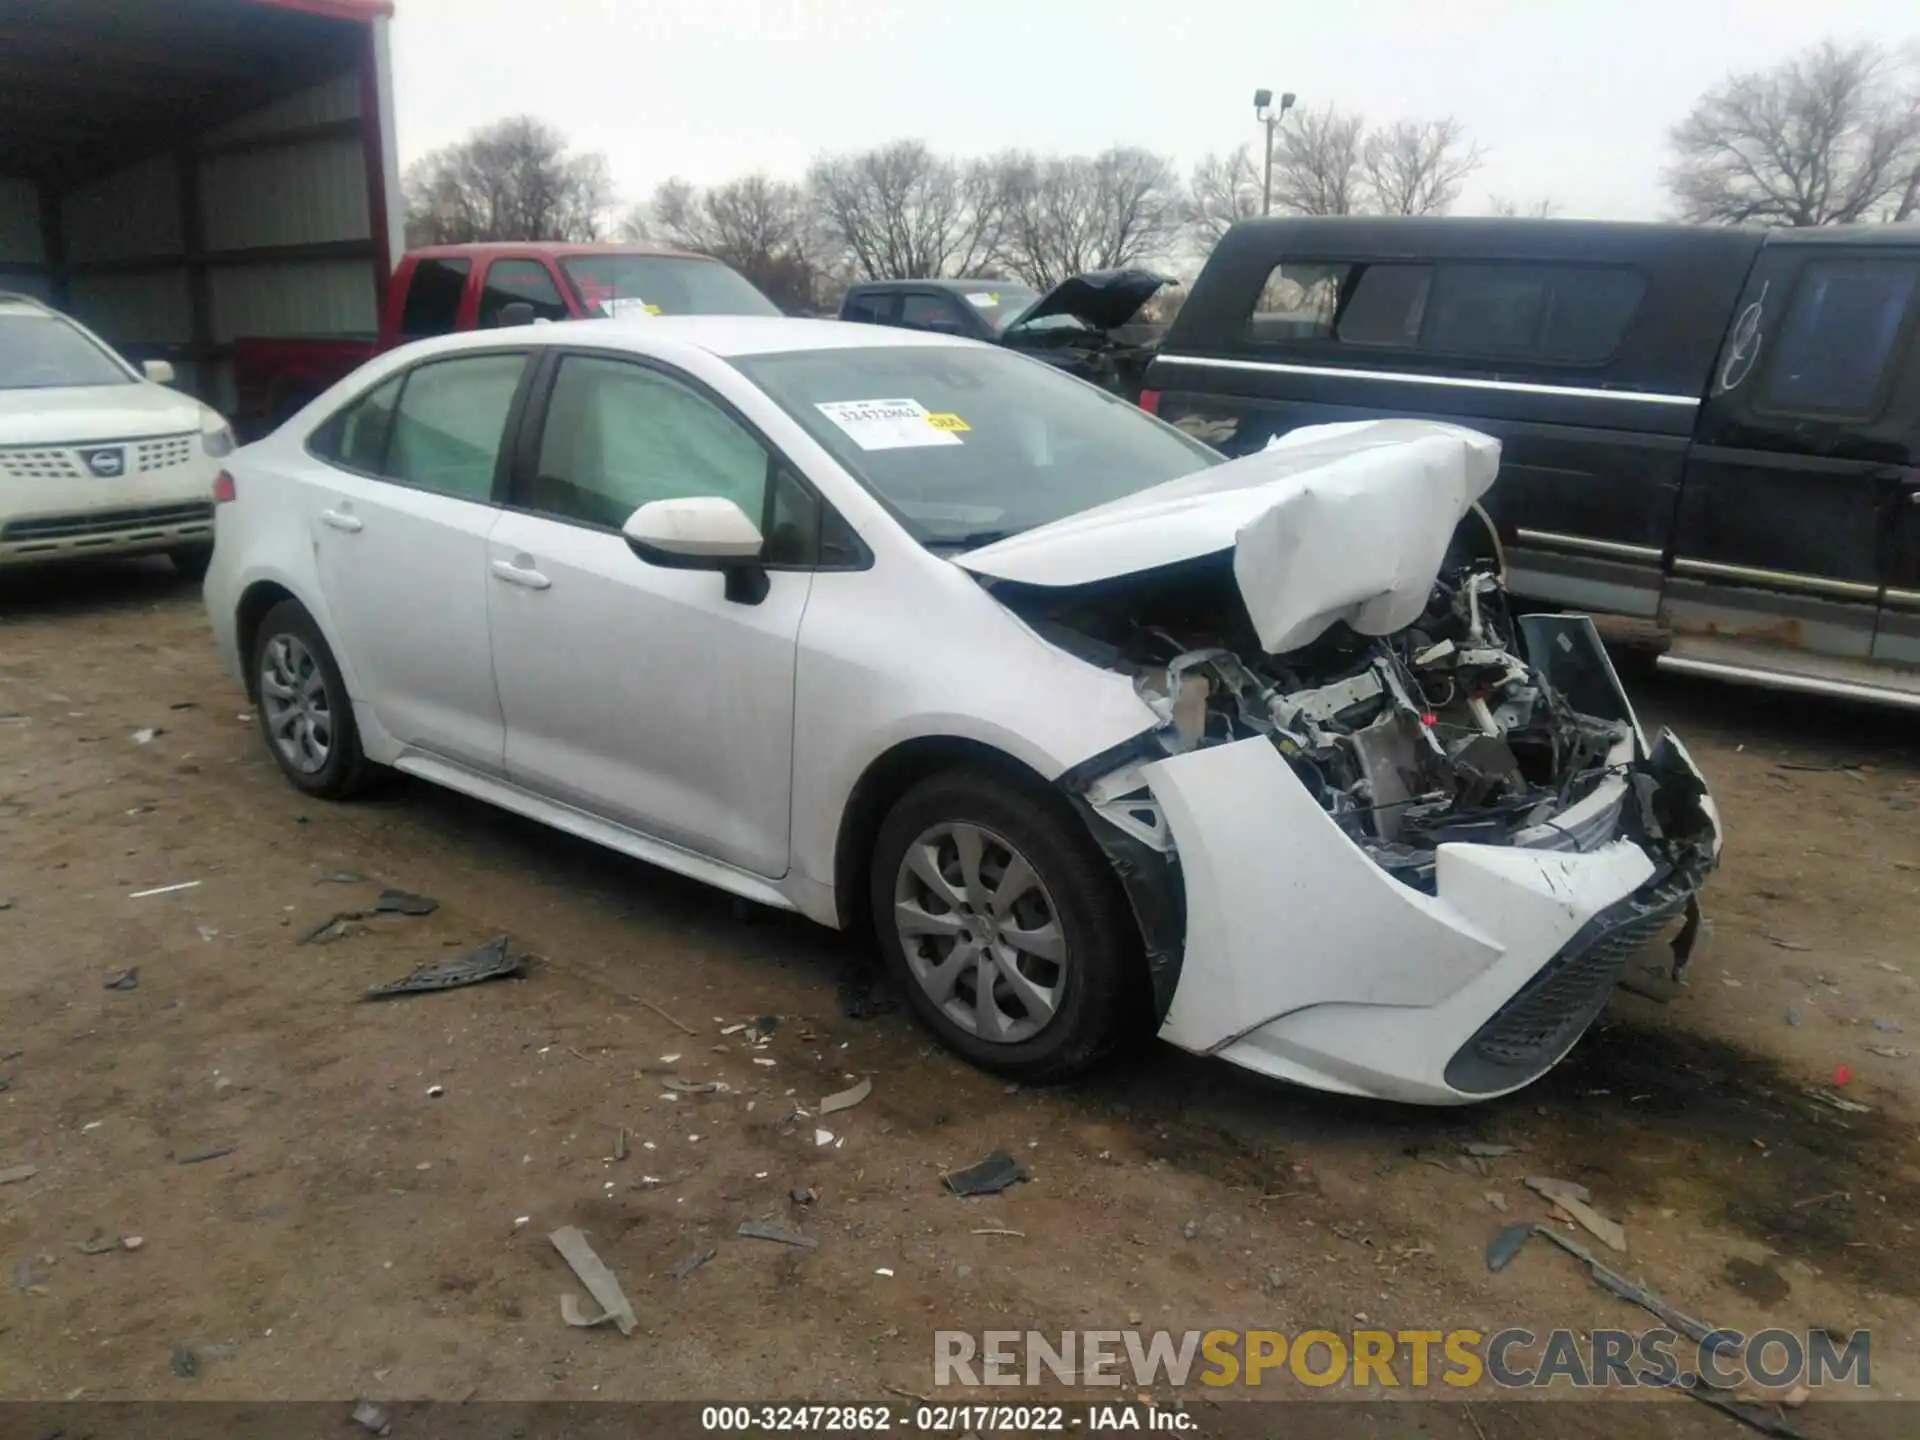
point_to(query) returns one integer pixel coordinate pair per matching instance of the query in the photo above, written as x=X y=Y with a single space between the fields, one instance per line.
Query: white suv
x=96 y=457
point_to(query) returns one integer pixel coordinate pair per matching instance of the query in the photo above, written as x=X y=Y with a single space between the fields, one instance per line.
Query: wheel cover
x=294 y=699
x=981 y=933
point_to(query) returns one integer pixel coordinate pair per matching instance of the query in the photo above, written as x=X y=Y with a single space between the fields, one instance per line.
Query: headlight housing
x=216 y=436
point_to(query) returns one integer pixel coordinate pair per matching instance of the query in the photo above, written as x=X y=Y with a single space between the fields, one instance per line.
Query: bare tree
x=1417 y=167
x=512 y=180
x=901 y=211
x=1544 y=208
x=1221 y=191
x=1067 y=214
x=1317 y=164
x=1825 y=138
x=757 y=224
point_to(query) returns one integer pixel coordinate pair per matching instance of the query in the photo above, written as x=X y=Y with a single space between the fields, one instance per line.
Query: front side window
x=42 y=351
x=966 y=445
x=1298 y=302
x=526 y=281
x=920 y=310
x=451 y=417
x=619 y=435
x=1839 y=336
x=433 y=298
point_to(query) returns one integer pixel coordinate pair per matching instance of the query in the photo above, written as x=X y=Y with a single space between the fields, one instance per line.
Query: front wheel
x=304 y=711
x=1006 y=928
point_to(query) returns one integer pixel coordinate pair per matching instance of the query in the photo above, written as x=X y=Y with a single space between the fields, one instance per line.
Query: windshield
x=997 y=303
x=968 y=444
x=44 y=352
x=662 y=285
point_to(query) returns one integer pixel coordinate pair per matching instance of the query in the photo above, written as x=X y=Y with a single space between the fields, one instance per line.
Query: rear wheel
x=1005 y=927
x=304 y=711
x=192 y=560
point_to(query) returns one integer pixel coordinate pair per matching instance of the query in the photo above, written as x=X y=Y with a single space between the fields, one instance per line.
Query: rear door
x=1797 y=490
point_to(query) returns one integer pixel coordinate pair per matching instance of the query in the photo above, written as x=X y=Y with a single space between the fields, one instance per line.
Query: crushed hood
x=1104 y=299
x=1328 y=523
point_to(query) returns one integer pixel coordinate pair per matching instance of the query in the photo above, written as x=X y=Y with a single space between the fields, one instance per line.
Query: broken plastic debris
x=883 y=1270
x=494 y=960
x=400 y=902
x=128 y=979
x=689 y=1087
x=846 y=1099
x=198 y=1156
x=371 y=1418
x=692 y=1263
x=1507 y=1243
x=434 y=1092
x=823 y=1137
x=1573 y=1199
x=14 y=1174
x=163 y=889
x=992 y=1175
x=779 y=1234
x=598 y=1279
x=148 y=735
x=1486 y=1152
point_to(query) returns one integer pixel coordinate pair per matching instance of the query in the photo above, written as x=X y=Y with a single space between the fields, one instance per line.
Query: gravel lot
x=364 y=1234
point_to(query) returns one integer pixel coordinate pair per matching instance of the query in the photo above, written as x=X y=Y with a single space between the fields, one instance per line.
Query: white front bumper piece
x=1307 y=961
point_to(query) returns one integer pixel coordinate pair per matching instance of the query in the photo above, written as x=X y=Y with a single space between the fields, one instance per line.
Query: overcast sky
x=1572 y=98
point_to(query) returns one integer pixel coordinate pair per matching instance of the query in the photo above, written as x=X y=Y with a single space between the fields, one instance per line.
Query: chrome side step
x=1800 y=684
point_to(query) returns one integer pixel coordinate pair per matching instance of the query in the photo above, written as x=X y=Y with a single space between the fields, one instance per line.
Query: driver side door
x=635 y=692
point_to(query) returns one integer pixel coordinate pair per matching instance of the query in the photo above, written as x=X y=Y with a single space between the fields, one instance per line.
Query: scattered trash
x=148 y=735
x=692 y=1263
x=846 y=1099
x=762 y=1060
x=371 y=1418
x=779 y=1234
x=680 y=1025
x=1794 y=1018
x=14 y=1174
x=598 y=1279
x=494 y=960
x=341 y=925
x=620 y=1150
x=1617 y=1284
x=689 y=1087
x=1786 y=944
x=183 y=705
x=734 y=1029
x=125 y=980
x=883 y=1270
x=434 y=1092
x=184 y=1362
x=1574 y=1199
x=1848 y=1107
x=199 y=1156
x=340 y=877
x=131 y=1242
x=164 y=889
x=1891 y=1027
x=1506 y=1244
x=1496 y=1201
x=96 y=1244
x=1731 y=983
x=399 y=902
x=804 y=1195
x=992 y=1175
x=1889 y=1052
x=1814 y=769
x=823 y=1137
x=1842 y=1076
x=1752 y=1415
x=996 y=1230
x=1486 y=1152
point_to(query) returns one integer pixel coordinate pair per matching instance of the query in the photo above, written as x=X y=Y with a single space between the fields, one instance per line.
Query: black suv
x=1713 y=429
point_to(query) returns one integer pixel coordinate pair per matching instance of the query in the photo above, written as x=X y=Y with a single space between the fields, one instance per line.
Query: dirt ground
x=377 y=1221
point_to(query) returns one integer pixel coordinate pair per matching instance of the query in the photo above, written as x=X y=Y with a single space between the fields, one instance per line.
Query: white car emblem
x=106 y=463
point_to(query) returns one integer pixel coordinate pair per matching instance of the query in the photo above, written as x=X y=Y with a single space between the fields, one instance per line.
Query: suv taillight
x=223 y=488
x=1150 y=401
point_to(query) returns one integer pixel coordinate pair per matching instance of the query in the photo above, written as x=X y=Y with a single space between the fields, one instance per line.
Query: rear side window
x=1840 y=334
x=451 y=417
x=1298 y=302
x=356 y=437
x=520 y=280
x=1385 y=305
x=433 y=298
x=870 y=308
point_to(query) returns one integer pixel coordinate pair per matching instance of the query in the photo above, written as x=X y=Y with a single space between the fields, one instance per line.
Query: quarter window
x=620 y=435
x=1298 y=302
x=451 y=417
x=1839 y=336
x=433 y=298
x=527 y=281
x=356 y=437
x=870 y=308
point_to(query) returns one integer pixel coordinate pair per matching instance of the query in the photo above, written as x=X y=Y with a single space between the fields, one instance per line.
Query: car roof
x=726 y=336
x=937 y=285
x=557 y=248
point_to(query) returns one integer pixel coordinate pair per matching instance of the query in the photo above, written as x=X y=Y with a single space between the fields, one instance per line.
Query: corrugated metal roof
x=335 y=9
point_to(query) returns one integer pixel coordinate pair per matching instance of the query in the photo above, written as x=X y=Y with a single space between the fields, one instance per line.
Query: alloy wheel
x=294 y=699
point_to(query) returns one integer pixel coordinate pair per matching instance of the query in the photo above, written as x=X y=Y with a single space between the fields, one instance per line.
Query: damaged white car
x=1098 y=733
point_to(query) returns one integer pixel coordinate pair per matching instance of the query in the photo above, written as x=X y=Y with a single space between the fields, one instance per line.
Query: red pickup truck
x=445 y=288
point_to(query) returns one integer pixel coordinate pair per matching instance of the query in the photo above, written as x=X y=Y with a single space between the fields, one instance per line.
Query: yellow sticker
x=653 y=309
x=947 y=420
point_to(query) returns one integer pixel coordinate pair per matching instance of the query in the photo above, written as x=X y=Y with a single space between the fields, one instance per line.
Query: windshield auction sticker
x=886 y=424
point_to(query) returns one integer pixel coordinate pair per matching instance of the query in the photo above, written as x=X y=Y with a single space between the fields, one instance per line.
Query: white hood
x=1331 y=522
x=81 y=415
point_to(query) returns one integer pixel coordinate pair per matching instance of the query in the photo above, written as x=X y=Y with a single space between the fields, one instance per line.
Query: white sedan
x=1098 y=733
x=98 y=458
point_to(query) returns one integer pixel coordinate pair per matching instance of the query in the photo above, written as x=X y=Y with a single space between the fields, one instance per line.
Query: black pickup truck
x=1710 y=429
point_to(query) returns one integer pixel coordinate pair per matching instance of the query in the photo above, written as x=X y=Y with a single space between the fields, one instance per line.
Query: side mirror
x=160 y=372
x=514 y=312
x=701 y=532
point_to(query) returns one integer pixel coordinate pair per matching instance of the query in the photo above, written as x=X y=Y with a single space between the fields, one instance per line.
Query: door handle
x=521 y=575
x=341 y=520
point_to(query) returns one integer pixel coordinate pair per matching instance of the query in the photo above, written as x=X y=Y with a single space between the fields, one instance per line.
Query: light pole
x=1264 y=112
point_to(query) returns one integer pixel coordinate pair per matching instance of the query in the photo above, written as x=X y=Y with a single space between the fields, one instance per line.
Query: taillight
x=1150 y=401
x=223 y=488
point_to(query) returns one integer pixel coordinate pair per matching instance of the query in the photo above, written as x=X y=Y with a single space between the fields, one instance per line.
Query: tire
x=192 y=561
x=290 y=654
x=1096 y=991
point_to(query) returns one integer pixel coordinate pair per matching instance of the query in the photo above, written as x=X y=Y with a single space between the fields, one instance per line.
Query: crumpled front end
x=1410 y=866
